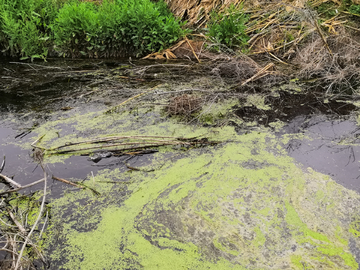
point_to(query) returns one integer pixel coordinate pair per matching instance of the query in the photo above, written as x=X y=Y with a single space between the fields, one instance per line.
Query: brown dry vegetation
x=184 y=105
x=291 y=34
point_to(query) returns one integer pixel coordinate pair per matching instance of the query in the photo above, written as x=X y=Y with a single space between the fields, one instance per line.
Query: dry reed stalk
x=259 y=74
x=132 y=98
x=10 y=181
x=27 y=239
x=192 y=49
x=66 y=182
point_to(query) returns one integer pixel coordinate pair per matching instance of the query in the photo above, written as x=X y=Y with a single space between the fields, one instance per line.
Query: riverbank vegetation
x=314 y=41
x=269 y=62
x=39 y=28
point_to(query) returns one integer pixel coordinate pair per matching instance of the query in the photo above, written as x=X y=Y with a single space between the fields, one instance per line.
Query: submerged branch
x=129 y=143
x=66 y=182
x=22 y=187
x=10 y=181
x=34 y=226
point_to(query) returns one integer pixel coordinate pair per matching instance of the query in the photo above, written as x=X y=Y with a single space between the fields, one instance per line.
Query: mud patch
x=285 y=106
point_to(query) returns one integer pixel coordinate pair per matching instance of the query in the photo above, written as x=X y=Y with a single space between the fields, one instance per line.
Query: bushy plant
x=228 y=28
x=24 y=26
x=114 y=29
x=75 y=27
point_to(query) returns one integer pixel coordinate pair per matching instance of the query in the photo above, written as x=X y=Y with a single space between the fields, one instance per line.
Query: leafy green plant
x=24 y=27
x=355 y=9
x=327 y=9
x=75 y=27
x=228 y=28
x=115 y=29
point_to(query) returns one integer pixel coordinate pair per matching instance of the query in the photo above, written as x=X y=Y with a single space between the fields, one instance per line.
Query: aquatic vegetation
x=236 y=205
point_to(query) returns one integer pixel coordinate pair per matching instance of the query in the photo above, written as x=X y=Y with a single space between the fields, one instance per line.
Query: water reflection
x=330 y=146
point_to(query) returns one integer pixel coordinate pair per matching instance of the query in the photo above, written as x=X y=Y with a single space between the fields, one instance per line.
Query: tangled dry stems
x=236 y=70
x=335 y=72
x=184 y=105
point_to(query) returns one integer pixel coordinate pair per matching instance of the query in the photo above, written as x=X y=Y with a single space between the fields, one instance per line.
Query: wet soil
x=285 y=106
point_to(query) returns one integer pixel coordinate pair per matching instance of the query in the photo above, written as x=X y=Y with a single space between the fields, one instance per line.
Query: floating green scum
x=242 y=204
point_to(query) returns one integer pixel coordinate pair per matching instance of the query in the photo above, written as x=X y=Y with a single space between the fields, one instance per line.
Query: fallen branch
x=10 y=181
x=22 y=187
x=66 y=182
x=34 y=226
x=126 y=101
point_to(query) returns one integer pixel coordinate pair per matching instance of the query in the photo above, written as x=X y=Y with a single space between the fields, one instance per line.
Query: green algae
x=223 y=207
x=80 y=127
x=258 y=101
x=243 y=204
x=214 y=112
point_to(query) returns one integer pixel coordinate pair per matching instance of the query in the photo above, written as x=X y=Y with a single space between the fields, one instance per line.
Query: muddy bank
x=266 y=195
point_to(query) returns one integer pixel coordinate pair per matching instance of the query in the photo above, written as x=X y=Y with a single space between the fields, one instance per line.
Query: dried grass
x=184 y=105
x=236 y=70
x=337 y=71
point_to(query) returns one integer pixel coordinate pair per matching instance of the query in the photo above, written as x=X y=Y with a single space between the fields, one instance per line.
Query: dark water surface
x=332 y=147
x=30 y=93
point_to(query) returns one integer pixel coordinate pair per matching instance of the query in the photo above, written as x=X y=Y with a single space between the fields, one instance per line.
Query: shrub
x=228 y=28
x=115 y=29
x=25 y=26
x=76 y=27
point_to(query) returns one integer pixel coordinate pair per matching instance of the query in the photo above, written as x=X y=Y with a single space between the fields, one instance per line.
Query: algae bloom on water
x=243 y=204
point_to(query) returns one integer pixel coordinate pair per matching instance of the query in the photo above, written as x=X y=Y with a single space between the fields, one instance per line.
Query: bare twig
x=22 y=187
x=2 y=165
x=10 y=181
x=34 y=226
x=46 y=218
x=36 y=141
x=17 y=223
x=66 y=181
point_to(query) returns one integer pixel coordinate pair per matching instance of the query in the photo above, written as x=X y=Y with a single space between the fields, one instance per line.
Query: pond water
x=332 y=147
x=31 y=93
x=323 y=136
